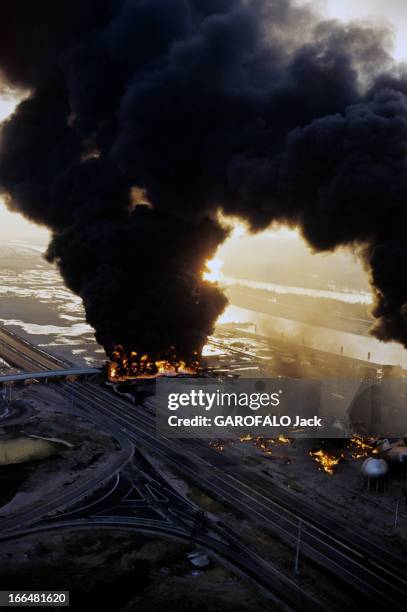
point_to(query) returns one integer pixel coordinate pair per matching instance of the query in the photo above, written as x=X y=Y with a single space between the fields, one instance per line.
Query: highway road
x=20 y=353
x=243 y=559
x=48 y=374
x=78 y=490
x=371 y=569
x=23 y=355
x=142 y=500
x=114 y=411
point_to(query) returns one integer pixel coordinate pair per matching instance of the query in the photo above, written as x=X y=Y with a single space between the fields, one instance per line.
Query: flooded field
x=321 y=338
x=349 y=297
x=36 y=305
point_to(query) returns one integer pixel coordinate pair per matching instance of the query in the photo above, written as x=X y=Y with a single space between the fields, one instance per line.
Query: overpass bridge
x=45 y=374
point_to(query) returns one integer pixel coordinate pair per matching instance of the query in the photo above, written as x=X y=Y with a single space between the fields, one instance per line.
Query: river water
x=35 y=304
x=322 y=338
x=350 y=297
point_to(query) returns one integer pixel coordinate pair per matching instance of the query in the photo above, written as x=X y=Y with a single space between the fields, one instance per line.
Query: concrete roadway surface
x=244 y=560
x=75 y=492
x=49 y=374
x=20 y=353
x=140 y=499
x=368 y=567
x=371 y=569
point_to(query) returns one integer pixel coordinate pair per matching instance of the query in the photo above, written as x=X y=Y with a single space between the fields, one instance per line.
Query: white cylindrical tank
x=375 y=469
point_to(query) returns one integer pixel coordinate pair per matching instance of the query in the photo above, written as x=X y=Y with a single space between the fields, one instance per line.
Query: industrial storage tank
x=397 y=456
x=375 y=472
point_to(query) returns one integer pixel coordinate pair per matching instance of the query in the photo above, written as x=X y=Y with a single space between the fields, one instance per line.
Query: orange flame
x=362 y=447
x=264 y=444
x=328 y=463
x=131 y=365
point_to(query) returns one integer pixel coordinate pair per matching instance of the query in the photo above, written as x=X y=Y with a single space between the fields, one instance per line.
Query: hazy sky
x=395 y=11
x=13 y=225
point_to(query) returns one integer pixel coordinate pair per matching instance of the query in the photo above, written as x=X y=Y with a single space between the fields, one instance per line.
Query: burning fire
x=127 y=366
x=328 y=463
x=361 y=447
x=218 y=445
x=264 y=444
x=283 y=440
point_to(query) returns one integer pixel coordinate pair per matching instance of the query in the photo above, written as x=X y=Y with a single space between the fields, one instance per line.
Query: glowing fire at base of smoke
x=127 y=366
x=328 y=463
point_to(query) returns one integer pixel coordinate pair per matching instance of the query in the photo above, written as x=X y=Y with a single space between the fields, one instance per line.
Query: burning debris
x=265 y=444
x=218 y=445
x=283 y=440
x=360 y=448
x=246 y=438
x=327 y=463
x=127 y=366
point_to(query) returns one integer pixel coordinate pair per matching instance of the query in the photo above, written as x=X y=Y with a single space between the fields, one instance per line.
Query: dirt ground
x=125 y=571
x=39 y=410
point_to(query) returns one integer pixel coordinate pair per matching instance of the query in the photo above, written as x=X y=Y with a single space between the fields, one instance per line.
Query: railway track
x=364 y=570
x=368 y=568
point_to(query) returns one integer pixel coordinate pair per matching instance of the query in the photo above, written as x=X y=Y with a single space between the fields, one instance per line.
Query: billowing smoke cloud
x=147 y=117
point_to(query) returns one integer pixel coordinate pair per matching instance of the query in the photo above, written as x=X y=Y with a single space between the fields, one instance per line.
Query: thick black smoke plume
x=144 y=118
